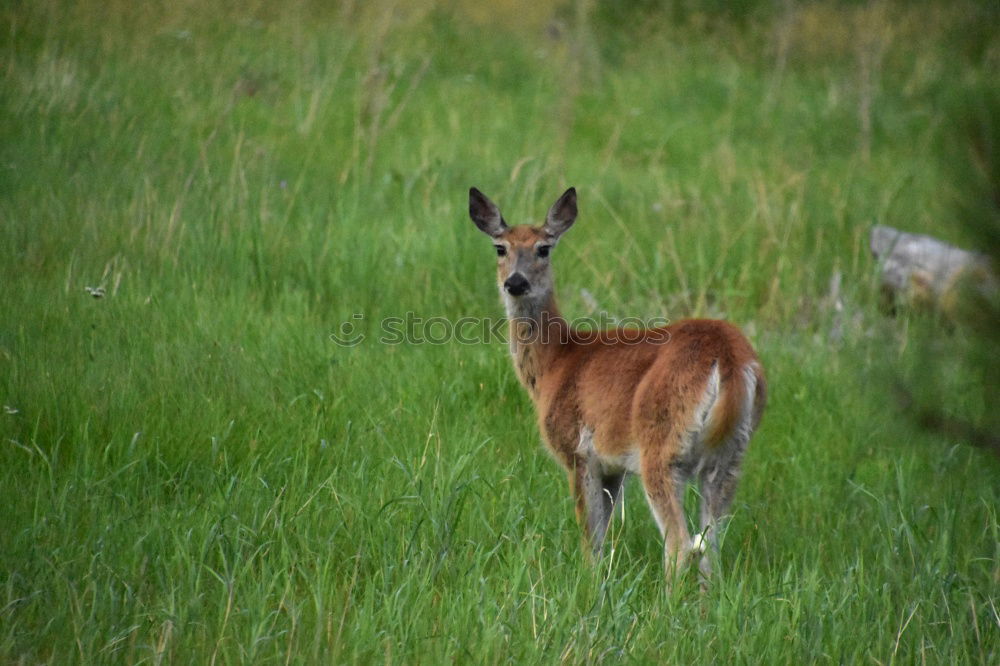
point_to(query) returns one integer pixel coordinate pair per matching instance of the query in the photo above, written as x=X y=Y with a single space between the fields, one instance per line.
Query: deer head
x=524 y=273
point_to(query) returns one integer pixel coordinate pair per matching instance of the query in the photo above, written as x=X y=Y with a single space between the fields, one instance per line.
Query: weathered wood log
x=923 y=270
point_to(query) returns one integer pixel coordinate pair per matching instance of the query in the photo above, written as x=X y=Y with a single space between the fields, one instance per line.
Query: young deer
x=669 y=404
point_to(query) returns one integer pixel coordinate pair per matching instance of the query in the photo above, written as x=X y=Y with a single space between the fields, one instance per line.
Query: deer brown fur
x=671 y=404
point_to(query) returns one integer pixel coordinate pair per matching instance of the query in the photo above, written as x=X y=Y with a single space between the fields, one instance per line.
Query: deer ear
x=562 y=214
x=485 y=214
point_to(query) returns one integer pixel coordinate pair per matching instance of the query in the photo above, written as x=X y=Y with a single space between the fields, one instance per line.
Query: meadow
x=196 y=198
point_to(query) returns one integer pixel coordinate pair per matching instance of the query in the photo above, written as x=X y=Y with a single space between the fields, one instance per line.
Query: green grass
x=194 y=472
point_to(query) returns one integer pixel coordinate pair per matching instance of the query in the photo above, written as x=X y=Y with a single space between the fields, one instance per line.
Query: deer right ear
x=485 y=214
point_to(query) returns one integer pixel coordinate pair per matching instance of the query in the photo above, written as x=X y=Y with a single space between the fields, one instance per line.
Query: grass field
x=193 y=471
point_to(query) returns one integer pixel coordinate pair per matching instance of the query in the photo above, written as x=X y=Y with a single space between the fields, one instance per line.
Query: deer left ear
x=485 y=214
x=562 y=214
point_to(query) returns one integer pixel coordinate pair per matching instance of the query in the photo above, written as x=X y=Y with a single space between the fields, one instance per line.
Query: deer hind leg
x=719 y=475
x=717 y=481
x=672 y=453
x=596 y=493
x=664 y=476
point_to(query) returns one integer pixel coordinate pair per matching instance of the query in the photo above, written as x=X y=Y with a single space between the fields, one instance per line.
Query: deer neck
x=536 y=333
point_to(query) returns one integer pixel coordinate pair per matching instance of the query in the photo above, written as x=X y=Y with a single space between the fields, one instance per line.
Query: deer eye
x=501 y=250
x=543 y=250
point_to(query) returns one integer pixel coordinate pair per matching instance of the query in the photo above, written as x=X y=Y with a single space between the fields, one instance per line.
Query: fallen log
x=921 y=270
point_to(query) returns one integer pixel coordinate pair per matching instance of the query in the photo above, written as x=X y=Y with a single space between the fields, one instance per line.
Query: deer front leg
x=595 y=493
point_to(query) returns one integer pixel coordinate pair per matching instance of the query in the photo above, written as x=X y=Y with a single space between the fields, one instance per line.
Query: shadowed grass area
x=194 y=471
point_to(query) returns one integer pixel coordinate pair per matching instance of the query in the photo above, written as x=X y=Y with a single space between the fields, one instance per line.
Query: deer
x=669 y=404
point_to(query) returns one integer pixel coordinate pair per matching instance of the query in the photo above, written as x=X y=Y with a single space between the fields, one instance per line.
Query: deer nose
x=516 y=285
